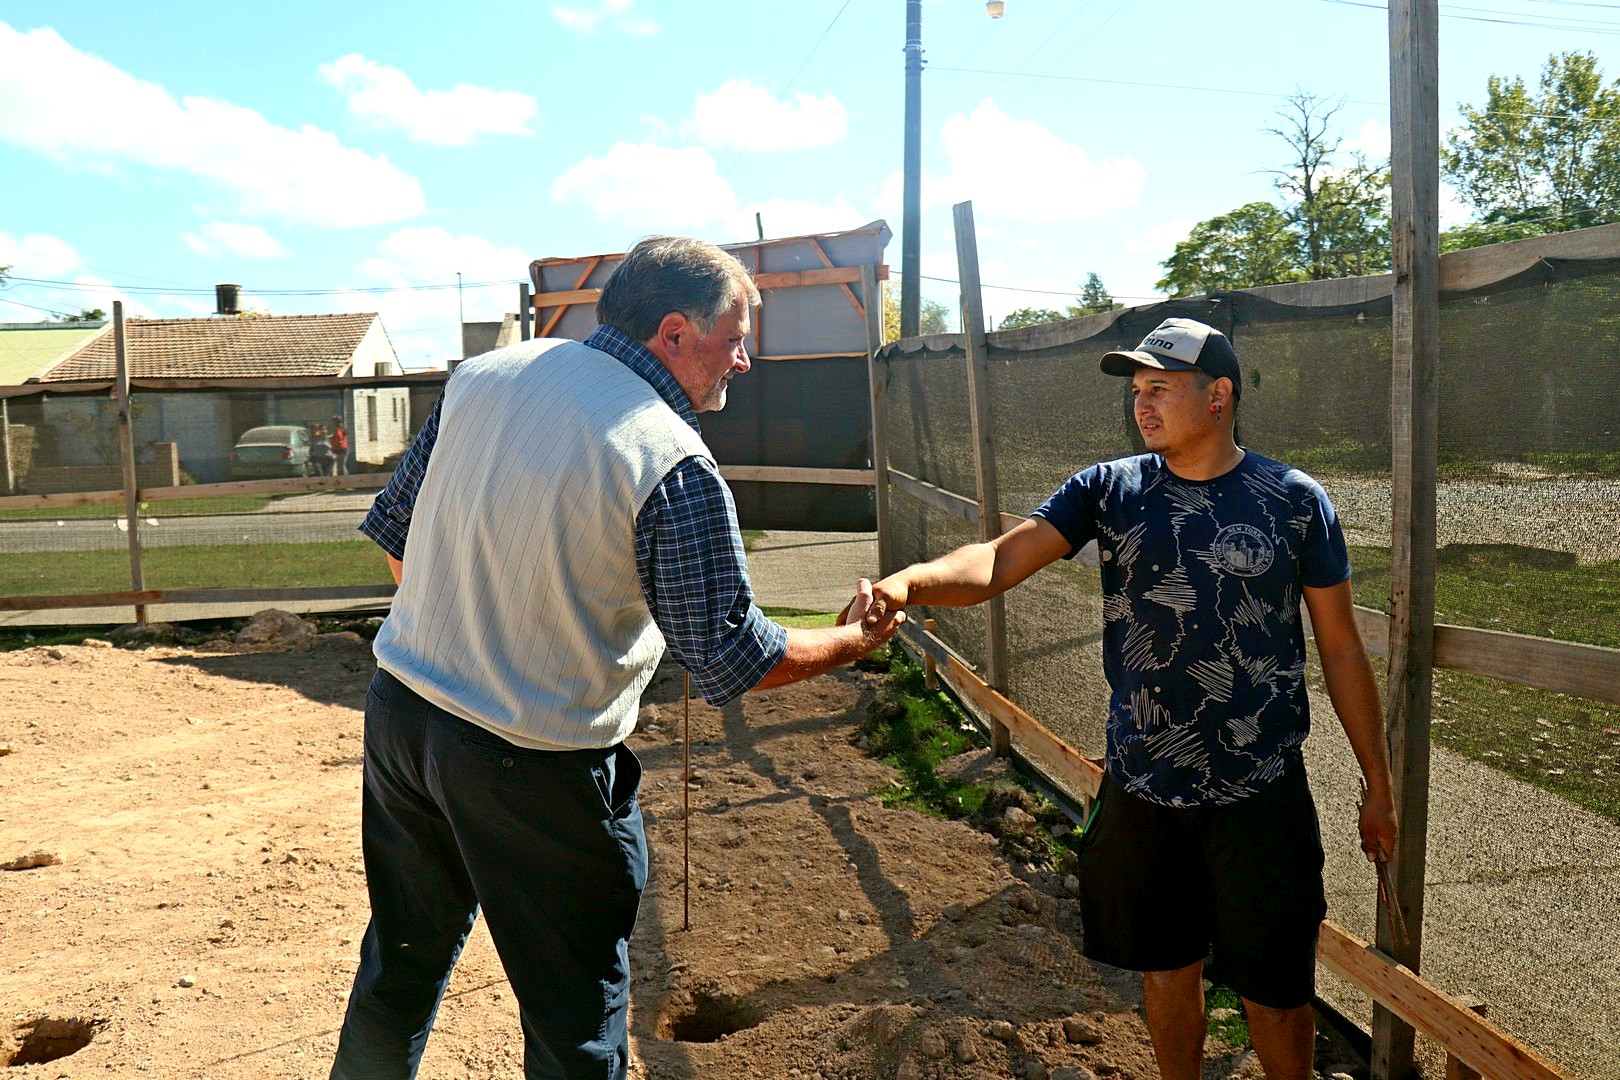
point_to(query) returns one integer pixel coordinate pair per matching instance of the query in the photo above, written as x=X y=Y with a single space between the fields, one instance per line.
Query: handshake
x=878 y=609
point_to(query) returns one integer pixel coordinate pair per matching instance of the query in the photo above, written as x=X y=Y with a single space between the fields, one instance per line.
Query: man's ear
x=1221 y=391
x=673 y=331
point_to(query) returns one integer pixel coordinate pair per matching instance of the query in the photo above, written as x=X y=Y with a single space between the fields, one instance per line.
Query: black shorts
x=1161 y=886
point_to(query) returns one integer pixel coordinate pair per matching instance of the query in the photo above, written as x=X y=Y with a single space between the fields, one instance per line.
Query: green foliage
x=85 y=315
x=1094 y=298
x=1530 y=163
x=1030 y=317
x=1333 y=220
x=914 y=730
x=334 y=562
x=1252 y=245
x=932 y=316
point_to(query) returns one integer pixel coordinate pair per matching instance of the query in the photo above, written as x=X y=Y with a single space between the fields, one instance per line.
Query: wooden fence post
x=126 y=455
x=5 y=446
x=872 y=301
x=1414 y=413
x=525 y=312
x=930 y=665
x=984 y=450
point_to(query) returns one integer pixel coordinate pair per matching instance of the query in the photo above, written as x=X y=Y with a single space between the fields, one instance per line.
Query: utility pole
x=910 y=240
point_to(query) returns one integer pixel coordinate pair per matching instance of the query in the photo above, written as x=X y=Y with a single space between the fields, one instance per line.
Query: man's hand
x=855 y=610
x=888 y=597
x=1379 y=827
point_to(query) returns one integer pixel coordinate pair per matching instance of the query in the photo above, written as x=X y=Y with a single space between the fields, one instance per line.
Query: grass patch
x=802 y=618
x=751 y=537
x=1231 y=1030
x=328 y=563
x=1565 y=745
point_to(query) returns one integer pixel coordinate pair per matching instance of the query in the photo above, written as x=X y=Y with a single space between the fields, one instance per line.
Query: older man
x=565 y=523
x=1205 y=836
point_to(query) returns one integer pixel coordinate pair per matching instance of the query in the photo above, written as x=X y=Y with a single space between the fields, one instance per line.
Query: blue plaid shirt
x=689 y=554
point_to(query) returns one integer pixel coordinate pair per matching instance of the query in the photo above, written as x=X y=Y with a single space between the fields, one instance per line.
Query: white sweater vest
x=520 y=608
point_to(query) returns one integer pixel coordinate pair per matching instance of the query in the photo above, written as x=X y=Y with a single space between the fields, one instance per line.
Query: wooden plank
x=243 y=383
x=563 y=298
x=783 y=279
x=785 y=474
x=1415 y=309
x=126 y=458
x=5 y=448
x=1587 y=671
x=849 y=294
x=949 y=501
x=147 y=597
x=872 y=295
x=1064 y=761
x=984 y=447
x=1473 y=1039
x=1472 y=268
x=53 y=602
x=813 y=356
x=562 y=309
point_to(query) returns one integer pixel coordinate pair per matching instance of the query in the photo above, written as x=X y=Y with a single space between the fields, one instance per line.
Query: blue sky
x=148 y=152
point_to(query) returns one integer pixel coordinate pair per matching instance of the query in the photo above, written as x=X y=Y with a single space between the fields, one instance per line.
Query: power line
x=78 y=286
x=1150 y=85
x=1445 y=14
x=802 y=64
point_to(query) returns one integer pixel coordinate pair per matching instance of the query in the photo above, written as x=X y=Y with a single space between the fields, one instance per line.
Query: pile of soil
x=190 y=894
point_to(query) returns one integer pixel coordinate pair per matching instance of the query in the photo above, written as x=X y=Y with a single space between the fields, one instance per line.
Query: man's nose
x=741 y=361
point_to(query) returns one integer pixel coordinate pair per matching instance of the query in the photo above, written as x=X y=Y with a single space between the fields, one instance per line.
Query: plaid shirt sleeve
x=694 y=575
x=388 y=521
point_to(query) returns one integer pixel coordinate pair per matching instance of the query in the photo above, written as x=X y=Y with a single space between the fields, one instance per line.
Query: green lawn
x=1569 y=746
x=337 y=562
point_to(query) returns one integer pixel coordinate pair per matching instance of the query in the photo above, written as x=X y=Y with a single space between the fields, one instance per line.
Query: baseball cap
x=1180 y=345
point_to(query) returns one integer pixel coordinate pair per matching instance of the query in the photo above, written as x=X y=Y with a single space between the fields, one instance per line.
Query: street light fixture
x=910 y=238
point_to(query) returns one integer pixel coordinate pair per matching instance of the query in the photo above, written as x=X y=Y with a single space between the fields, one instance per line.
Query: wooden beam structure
x=126 y=458
x=1414 y=417
x=790 y=474
x=984 y=448
x=872 y=299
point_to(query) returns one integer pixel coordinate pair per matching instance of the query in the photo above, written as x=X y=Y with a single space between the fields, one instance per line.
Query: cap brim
x=1126 y=363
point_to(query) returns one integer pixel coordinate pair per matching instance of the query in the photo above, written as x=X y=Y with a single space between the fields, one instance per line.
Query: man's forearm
x=1354 y=694
x=815 y=650
x=962 y=578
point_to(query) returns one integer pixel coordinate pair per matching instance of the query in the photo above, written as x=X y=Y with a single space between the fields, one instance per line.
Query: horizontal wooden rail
x=782 y=474
x=131 y=598
x=949 y=501
x=312 y=484
x=784 y=279
x=1466 y=1035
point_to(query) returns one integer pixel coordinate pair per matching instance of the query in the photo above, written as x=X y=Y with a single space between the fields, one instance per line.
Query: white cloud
x=1054 y=180
x=643 y=186
x=1372 y=141
x=386 y=98
x=1160 y=240
x=225 y=238
x=742 y=114
x=80 y=109
x=52 y=259
x=616 y=13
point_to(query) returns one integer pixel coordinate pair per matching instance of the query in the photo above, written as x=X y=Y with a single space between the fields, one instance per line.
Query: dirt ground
x=201 y=897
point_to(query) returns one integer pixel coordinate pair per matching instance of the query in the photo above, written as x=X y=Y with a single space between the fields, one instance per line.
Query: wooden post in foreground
x=872 y=301
x=930 y=665
x=525 y=312
x=1414 y=413
x=984 y=452
x=126 y=455
x=5 y=447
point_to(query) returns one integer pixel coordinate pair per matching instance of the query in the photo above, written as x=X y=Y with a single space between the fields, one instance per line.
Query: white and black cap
x=1180 y=345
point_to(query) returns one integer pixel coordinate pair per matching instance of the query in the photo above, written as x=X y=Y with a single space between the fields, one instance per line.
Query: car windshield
x=278 y=435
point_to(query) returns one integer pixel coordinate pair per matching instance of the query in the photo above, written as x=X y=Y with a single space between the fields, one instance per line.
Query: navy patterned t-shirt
x=1203 y=644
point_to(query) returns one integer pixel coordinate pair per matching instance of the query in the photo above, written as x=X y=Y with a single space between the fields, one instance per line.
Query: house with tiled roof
x=203 y=423
x=28 y=350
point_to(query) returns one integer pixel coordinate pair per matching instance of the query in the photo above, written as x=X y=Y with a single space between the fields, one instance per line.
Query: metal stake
x=686 y=813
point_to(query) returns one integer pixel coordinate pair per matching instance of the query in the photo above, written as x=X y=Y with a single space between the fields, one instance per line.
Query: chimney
x=227 y=299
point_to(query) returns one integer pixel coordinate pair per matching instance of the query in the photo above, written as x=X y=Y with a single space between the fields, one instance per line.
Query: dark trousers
x=549 y=844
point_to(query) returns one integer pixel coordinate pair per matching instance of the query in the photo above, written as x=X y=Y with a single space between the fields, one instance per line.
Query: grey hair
x=664 y=274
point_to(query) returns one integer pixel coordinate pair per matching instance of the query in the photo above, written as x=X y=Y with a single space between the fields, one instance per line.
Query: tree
x=1094 y=298
x=1253 y=245
x=85 y=315
x=930 y=317
x=1030 y=317
x=1530 y=164
x=1333 y=220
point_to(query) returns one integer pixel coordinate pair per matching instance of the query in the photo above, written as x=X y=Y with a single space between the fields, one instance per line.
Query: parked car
x=275 y=450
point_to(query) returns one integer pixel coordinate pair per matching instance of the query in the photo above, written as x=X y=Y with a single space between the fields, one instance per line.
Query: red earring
x=1216 y=409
